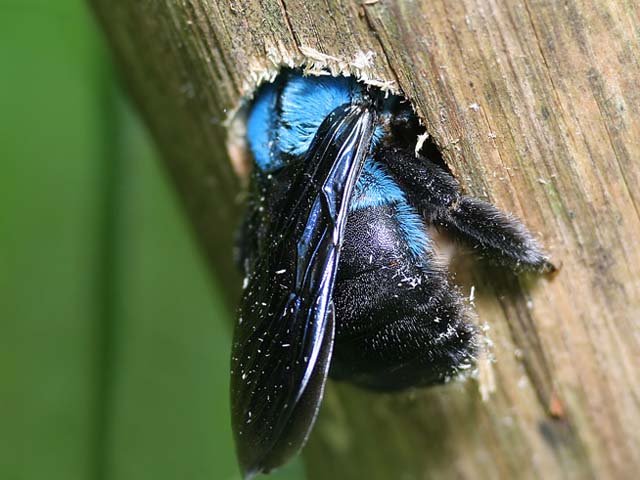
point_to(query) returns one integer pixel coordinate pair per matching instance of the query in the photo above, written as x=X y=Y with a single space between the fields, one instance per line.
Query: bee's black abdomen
x=399 y=323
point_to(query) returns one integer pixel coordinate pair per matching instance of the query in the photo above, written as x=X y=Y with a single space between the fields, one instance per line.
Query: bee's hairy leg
x=495 y=234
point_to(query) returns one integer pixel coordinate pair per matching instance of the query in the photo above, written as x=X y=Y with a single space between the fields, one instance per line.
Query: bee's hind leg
x=495 y=234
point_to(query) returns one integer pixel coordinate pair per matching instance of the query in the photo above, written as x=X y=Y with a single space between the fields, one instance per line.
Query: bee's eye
x=405 y=120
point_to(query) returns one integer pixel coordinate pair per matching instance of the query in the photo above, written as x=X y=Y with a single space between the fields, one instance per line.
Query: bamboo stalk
x=535 y=106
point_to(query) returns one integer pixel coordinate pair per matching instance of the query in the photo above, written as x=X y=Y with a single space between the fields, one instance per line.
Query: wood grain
x=535 y=105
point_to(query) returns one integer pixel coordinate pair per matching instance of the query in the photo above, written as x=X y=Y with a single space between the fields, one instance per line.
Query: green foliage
x=114 y=345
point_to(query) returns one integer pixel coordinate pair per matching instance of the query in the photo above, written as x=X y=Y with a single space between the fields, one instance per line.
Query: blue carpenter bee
x=342 y=279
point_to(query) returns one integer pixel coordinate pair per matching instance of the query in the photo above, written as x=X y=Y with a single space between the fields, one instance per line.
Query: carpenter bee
x=341 y=275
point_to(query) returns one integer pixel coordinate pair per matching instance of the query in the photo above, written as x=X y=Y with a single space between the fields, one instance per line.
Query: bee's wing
x=284 y=336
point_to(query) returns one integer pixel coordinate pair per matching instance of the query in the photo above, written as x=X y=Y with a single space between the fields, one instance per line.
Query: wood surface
x=535 y=106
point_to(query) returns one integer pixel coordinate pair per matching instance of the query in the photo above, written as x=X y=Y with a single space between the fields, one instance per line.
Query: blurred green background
x=114 y=343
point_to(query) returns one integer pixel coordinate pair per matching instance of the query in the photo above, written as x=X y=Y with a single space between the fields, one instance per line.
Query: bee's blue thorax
x=283 y=121
x=306 y=102
x=286 y=115
x=261 y=125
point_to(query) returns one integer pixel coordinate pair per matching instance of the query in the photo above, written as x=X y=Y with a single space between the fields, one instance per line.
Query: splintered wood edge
x=312 y=63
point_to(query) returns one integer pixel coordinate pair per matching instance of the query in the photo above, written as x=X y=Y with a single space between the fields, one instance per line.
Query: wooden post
x=536 y=107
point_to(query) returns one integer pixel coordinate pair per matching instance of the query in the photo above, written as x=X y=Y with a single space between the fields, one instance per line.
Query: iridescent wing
x=284 y=336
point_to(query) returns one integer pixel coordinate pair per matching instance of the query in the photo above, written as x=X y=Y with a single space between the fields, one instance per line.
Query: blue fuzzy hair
x=261 y=128
x=305 y=103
